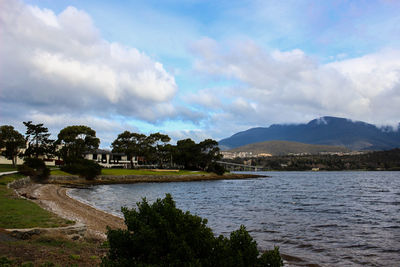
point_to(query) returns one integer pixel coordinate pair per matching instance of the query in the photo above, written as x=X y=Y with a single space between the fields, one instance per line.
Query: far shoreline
x=73 y=180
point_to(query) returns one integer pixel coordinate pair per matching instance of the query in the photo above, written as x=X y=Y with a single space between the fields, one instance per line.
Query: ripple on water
x=328 y=218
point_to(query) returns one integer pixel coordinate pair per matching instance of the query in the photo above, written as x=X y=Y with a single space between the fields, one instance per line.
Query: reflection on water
x=328 y=218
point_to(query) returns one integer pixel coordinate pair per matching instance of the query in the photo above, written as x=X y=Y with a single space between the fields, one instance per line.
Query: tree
x=164 y=154
x=209 y=153
x=12 y=141
x=162 y=235
x=187 y=154
x=198 y=156
x=35 y=168
x=76 y=141
x=131 y=144
x=38 y=140
x=157 y=149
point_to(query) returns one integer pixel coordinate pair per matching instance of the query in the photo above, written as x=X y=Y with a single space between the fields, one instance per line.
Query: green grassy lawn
x=51 y=250
x=117 y=172
x=59 y=172
x=7 y=168
x=20 y=213
x=146 y=172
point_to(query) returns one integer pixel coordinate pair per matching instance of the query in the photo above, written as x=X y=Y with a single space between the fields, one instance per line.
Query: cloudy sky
x=197 y=68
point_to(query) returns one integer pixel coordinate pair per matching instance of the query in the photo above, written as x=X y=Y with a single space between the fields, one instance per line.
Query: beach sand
x=54 y=198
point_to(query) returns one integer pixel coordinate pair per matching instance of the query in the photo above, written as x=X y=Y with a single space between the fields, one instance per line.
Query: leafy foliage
x=186 y=153
x=162 y=235
x=158 y=149
x=12 y=141
x=35 y=168
x=150 y=148
x=216 y=168
x=39 y=143
x=201 y=156
x=154 y=149
x=75 y=141
x=132 y=144
x=83 y=167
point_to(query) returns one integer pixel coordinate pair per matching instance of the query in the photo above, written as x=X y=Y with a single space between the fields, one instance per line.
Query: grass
x=117 y=172
x=59 y=172
x=21 y=213
x=50 y=250
x=7 y=168
x=146 y=172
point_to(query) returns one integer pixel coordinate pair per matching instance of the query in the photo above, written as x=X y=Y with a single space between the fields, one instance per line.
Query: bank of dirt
x=54 y=198
x=129 y=179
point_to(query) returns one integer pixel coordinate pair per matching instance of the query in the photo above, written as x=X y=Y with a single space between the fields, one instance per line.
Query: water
x=325 y=218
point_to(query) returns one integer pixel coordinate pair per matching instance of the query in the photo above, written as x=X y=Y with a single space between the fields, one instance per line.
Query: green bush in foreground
x=162 y=235
x=83 y=167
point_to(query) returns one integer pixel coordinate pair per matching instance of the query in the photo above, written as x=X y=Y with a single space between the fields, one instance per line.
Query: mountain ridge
x=355 y=135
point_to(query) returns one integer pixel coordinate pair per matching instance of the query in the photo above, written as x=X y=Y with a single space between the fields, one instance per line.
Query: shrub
x=162 y=235
x=26 y=170
x=271 y=258
x=216 y=168
x=34 y=163
x=4 y=261
x=83 y=167
x=34 y=168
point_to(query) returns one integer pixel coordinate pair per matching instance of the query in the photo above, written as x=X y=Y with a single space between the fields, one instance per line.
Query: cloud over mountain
x=292 y=86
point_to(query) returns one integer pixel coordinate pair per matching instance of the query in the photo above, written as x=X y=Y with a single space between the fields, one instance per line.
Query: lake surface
x=325 y=218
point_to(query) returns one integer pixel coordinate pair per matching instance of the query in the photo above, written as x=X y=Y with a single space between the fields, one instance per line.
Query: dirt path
x=55 y=199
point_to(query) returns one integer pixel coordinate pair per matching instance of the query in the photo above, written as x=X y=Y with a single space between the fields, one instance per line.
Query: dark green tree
x=35 y=168
x=209 y=153
x=131 y=144
x=165 y=155
x=187 y=154
x=38 y=140
x=157 y=149
x=200 y=156
x=76 y=141
x=11 y=141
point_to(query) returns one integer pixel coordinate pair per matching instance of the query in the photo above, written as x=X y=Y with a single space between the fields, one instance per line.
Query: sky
x=197 y=68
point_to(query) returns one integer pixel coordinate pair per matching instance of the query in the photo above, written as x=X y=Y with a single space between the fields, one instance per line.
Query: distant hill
x=355 y=135
x=279 y=148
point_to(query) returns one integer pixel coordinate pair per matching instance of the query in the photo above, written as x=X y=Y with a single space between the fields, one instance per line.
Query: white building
x=108 y=159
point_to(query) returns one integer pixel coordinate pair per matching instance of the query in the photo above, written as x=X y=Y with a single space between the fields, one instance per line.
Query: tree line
x=374 y=160
x=73 y=142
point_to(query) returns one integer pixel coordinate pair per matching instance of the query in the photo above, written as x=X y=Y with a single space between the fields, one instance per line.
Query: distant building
x=108 y=159
x=20 y=160
x=105 y=158
x=232 y=155
x=264 y=155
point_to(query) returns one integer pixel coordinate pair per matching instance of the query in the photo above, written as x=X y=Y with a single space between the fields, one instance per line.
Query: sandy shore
x=55 y=199
x=130 y=179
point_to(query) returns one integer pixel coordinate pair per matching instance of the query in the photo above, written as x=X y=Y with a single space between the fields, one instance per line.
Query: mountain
x=279 y=148
x=355 y=135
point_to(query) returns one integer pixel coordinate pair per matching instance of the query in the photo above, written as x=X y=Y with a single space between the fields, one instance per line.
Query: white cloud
x=59 y=63
x=106 y=129
x=289 y=86
x=197 y=135
x=207 y=98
